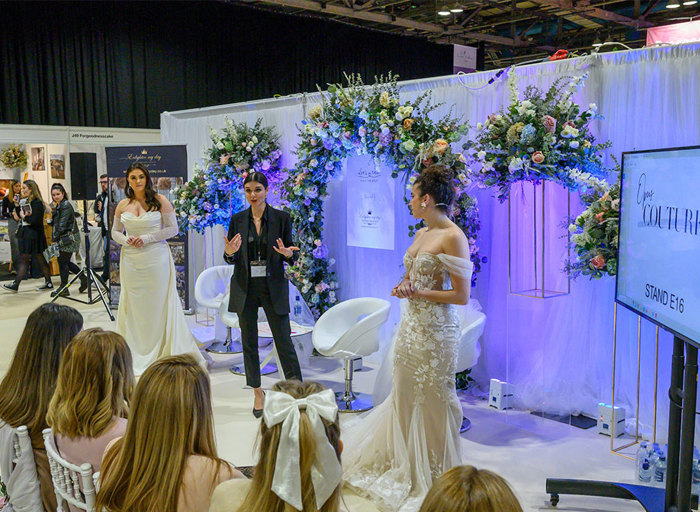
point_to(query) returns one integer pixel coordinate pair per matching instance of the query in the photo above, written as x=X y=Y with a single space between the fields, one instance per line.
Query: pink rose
x=537 y=157
x=549 y=123
x=362 y=131
x=223 y=159
x=599 y=217
x=598 y=262
x=570 y=124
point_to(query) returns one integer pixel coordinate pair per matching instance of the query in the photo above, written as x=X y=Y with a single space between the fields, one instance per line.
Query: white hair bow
x=326 y=472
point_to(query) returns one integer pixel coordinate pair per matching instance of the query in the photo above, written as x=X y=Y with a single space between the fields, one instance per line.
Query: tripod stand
x=87 y=273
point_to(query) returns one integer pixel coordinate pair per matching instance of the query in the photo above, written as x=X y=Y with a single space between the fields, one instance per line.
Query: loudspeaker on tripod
x=83 y=172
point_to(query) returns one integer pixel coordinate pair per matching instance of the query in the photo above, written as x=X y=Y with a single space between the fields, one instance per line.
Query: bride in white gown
x=150 y=314
x=394 y=454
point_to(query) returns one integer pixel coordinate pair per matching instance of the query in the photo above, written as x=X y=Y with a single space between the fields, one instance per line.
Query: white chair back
x=18 y=469
x=473 y=323
x=351 y=328
x=212 y=286
x=75 y=485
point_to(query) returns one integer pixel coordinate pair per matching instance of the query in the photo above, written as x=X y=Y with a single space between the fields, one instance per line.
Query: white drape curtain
x=557 y=352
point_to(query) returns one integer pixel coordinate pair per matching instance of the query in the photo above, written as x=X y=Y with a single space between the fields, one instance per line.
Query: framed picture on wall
x=38 y=158
x=58 y=166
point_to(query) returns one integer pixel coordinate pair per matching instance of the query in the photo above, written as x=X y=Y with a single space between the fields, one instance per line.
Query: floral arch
x=360 y=119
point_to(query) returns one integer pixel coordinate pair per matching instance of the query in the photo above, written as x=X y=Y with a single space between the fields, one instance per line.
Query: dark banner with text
x=167 y=166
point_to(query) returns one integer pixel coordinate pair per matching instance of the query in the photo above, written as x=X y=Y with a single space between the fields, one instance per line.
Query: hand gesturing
x=232 y=245
x=285 y=251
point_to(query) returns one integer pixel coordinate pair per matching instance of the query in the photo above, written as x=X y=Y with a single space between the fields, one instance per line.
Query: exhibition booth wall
x=558 y=351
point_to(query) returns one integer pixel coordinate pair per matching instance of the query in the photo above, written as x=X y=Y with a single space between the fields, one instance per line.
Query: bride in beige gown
x=394 y=454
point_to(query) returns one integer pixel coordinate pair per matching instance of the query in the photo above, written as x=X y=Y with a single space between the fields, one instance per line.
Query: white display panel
x=659 y=245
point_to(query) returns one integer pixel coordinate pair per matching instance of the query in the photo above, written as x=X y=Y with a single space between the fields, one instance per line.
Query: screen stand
x=681 y=429
x=87 y=273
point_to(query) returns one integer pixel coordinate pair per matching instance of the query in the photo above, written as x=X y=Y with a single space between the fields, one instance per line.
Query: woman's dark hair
x=151 y=196
x=58 y=186
x=26 y=390
x=438 y=182
x=257 y=177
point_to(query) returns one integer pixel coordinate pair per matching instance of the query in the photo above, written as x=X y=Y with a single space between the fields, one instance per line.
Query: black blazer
x=279 y=226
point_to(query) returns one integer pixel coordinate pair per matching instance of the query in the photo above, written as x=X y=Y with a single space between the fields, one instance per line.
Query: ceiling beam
x=586 y=10
x=376 y=17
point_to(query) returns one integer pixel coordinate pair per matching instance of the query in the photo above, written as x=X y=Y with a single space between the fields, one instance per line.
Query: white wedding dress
x=150 y=314
x=394 y=454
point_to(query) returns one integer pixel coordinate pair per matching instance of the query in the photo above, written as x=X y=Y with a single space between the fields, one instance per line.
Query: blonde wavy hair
x=467 y=489
x=260 y=495
x=36 y=193
x=170 y=419
x=95 y=383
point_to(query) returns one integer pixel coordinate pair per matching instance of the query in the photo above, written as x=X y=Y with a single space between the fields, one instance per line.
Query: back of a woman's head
x=95 y=383
x=27 y=388
x=170 y=419
x=467 y=489
x=260 y=495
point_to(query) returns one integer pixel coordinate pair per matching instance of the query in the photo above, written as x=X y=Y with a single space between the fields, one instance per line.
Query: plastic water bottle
x=660 y=470
x=645 y=471
x=642 y=454
x=654 y=458
x=297 y=309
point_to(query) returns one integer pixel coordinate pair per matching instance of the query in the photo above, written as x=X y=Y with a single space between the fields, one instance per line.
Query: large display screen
x=659 y=245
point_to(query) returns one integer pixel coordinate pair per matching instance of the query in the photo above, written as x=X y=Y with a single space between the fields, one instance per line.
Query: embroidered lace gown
x=393 y=454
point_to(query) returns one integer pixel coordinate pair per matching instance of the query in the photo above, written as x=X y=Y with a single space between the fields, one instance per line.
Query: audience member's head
x=299 y=465
x=94 y=387
x=26 y=390
x=467 y=489
x=170 y=419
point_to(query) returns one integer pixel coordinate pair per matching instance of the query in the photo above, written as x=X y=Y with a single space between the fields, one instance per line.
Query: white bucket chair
x=211 y=291
x=348 y=330
x=269 y=364
x=473 y=322
x=18 y=470
x=75 y=485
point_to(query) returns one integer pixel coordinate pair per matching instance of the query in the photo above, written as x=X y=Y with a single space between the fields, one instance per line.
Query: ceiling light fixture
x=690 y=2
x=445 y=11
x=456 y=8
x=673 y=4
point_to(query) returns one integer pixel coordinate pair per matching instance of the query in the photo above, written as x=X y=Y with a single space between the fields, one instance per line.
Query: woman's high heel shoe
x=258 y=412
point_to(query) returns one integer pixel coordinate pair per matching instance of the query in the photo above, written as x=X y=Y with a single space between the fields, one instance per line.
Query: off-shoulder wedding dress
x=393 y=454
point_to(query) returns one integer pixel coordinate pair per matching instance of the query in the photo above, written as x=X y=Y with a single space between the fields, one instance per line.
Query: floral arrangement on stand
x=546 y=136
x=213 y=193
x=14 y=156
x=359 y=119
x=595 y=233
x=3 y=494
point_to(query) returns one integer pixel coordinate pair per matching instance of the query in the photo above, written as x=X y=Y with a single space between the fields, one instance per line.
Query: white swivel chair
x=348 y=330
x=473 y=322
x=211 y=291
x=75 y=485
x=18 y=470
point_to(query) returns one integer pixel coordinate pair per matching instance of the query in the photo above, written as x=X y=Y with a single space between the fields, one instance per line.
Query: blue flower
x=320 y=252
x=528 y=134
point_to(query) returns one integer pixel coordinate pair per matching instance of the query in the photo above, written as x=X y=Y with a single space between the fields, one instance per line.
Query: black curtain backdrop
x=120 y=64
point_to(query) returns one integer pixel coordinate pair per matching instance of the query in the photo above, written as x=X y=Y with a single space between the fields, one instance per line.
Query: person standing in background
x=10 y=205
x=31 y=237
x=102 y=217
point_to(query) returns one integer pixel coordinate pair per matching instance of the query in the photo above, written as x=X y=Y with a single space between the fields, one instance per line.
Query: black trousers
x=259 y=296
x=65 y=265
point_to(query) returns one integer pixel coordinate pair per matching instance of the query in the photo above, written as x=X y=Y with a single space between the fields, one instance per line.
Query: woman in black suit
x=259 y=242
